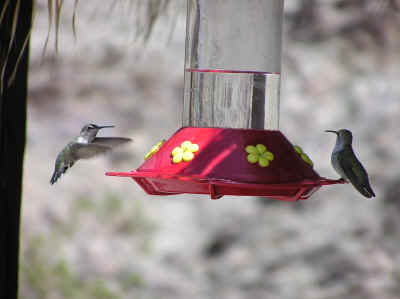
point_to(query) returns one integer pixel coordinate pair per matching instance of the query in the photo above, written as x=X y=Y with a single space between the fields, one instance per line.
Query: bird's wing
x=86 y=151
x=111 y=141
x=362 y=176
x=356 y=174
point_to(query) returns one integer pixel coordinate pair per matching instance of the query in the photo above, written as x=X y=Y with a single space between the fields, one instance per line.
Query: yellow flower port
x=185 y=152
x=303 y=155
x=154 y=149
x=260 y=154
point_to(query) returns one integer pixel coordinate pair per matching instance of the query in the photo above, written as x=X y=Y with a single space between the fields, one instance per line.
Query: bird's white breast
x=82 y=140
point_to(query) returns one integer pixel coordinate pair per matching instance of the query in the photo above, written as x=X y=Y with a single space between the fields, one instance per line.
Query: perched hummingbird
x=346 y=164
x=85 y=146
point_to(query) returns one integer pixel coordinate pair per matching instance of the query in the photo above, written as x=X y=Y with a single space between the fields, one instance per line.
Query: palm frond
x=3 y=10
x=50 y=24
x=58 y=7
x=74 y=14
x=20 y=54
x=146 y=12
x=6 y=52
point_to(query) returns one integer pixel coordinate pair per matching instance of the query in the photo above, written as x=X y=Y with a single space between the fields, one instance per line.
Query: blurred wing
x=111 y=141
x=86 y=151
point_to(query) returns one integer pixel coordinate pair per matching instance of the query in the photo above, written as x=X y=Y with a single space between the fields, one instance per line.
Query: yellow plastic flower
x=154 y=149
x=260 y=154
x=185 y=152
x=303 y=155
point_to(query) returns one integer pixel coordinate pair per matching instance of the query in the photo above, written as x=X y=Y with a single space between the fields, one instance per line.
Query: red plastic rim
x=220 y=167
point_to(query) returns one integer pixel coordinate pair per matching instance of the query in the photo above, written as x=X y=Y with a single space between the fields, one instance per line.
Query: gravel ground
x=91 y=236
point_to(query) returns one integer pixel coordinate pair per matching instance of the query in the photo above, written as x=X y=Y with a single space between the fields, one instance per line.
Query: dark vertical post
x=13 y=103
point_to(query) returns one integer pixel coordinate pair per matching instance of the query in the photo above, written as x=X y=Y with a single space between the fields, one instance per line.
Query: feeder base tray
x=220 y=165
x=173 y=185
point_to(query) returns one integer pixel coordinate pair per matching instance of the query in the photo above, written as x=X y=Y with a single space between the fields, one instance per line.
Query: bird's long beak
x=102 y=127
x=331 y=131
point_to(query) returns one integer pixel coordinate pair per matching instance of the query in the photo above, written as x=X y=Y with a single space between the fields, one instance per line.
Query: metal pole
x=233 y=63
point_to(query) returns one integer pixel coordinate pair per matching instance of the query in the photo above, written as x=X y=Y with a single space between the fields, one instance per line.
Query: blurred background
x=92 y=236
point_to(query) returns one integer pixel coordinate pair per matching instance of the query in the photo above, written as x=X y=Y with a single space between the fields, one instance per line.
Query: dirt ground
x=92 y=236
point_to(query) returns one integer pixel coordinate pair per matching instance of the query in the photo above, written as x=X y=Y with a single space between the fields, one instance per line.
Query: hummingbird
x=85 y=146
x=346 y=164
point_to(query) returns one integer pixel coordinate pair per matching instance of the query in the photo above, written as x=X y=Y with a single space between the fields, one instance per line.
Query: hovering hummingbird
x=85 y=146
x=346 y=164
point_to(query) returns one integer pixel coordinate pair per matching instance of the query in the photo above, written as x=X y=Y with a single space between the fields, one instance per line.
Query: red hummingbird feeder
x=230 y=143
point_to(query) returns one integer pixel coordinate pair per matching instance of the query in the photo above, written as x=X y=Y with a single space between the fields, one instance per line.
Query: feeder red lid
x=221 y=166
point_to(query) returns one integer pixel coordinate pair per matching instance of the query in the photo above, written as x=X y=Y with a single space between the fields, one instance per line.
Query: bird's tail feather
x=55 y=177
x=58 y=173
x=365 y=190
